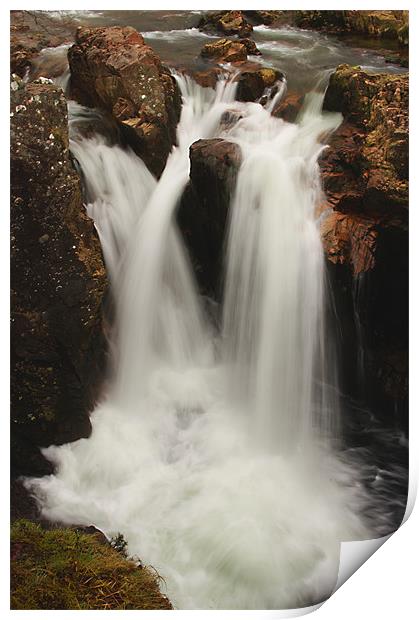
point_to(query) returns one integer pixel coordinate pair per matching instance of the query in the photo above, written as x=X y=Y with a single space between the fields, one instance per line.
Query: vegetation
x=67 y=569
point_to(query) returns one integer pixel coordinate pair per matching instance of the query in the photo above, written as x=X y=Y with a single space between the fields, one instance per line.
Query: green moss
x=66 y=569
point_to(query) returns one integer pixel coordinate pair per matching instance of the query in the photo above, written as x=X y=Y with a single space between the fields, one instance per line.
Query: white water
x=217 y=468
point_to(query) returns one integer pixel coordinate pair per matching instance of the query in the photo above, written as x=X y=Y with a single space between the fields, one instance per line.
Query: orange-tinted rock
x=112 y=68
x=289 y=107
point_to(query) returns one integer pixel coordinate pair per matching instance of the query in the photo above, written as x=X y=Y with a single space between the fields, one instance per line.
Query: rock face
x=58 y=282
x=226 y=22
x=204 y=206
x=114 y=69
x=365 y=230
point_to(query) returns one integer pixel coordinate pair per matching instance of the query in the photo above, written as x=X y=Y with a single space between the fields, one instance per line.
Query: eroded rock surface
x=114 y=69
x=58 y=283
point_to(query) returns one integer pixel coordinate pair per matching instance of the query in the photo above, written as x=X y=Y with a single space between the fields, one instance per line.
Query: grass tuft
x=66 y=569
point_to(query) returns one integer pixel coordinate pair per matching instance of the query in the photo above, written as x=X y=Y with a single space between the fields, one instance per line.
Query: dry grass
x=66 y=569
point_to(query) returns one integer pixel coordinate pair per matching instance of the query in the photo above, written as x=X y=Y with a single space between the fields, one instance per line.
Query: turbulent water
x=216 y=454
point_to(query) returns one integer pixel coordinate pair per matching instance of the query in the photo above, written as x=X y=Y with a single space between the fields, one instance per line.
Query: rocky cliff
x=365 y=231
x=58 y=283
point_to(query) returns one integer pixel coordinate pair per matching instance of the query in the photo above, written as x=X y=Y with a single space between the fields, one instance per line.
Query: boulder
x=226 y=22
x=253 y=83
x=224 y=50
x=204 y=206
x=112 y=68
x=58 y=282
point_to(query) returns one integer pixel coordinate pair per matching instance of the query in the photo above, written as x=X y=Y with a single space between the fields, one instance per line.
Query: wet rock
x=209 y=77
x=225 y=50
x=252 y=84
x=264 y=17
x=114 y=69
x=226 y=22
x=382 y=24
x=378 y=105
x=58 y=351
x=365 y=229
x=289 y=107
x=204 y=207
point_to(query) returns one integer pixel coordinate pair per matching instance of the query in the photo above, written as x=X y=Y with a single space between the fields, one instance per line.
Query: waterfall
x=217 y=469
x=273 y=309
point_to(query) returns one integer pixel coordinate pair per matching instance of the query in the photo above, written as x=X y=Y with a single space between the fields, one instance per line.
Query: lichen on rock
x=112 y=68
x=58 y=282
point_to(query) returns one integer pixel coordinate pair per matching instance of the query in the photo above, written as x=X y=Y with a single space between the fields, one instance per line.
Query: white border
x=386 y=585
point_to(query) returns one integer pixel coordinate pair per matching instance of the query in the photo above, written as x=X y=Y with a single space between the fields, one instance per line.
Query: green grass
x=66 y=569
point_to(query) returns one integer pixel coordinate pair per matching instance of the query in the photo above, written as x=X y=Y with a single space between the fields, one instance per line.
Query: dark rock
x=226 y=22
x=114 y=69
x=204 y=207
x=365 y=231
x=252 y=84
x=58 y=284
x=264 y=17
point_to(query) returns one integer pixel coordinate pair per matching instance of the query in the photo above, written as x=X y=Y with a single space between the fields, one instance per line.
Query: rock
x=225 y=50
x=31 y=31
x=58 y=351
x=382 y=24
x=289 y=107
x=365 y=231
x=252 y=84
x=378 y=105
x=204 y=206
x=208 y=78
x=226 y=22
x=114 y=69
x=264 y=17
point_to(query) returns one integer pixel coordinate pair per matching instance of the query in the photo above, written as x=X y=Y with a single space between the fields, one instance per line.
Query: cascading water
x=217 y=471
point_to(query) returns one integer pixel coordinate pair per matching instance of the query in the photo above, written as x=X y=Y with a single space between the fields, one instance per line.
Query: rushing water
x=217 y=454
